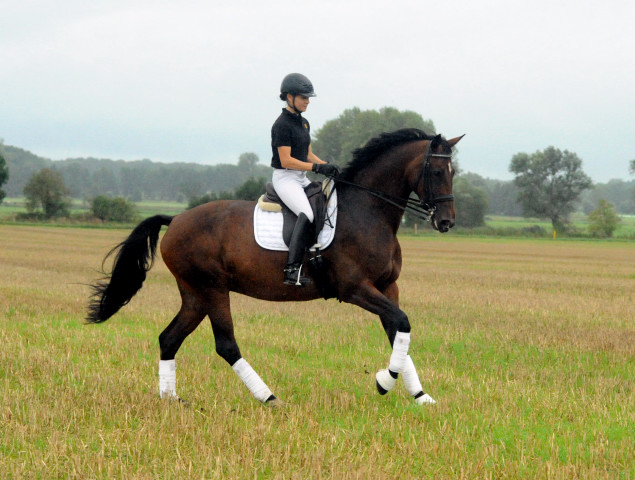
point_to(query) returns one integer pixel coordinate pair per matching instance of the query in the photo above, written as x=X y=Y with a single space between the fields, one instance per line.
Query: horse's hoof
x=275 y=403
x=174 y=398
x=384 y=381
x=380 y=389
x=425 y=399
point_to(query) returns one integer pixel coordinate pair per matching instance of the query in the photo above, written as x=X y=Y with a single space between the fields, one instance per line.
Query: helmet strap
x=292 y=104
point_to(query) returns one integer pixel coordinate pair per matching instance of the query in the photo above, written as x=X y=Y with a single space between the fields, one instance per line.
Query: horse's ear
x=454 y=141
x=436 y=141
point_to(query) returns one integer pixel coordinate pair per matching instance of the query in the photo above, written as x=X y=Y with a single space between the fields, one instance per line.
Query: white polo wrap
x=167 y=378
x=385 y=380
x=251 y=380
x=410 y=378
x=399 y=352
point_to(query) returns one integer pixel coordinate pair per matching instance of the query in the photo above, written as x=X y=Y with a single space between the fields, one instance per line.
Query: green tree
x=209 y=197
x=46 y=190
x=616 y=191
x=104 y=181
x=603 y=221
x=549 y=183
x=113 y=209
x=4 y=173
x=247 y=163
x=470 y=203
x=335 y=141
x=77 y=177
x=252 y=189
x=631 y=168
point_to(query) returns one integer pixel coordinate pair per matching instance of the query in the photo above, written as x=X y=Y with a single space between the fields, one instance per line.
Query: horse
x=211 y=251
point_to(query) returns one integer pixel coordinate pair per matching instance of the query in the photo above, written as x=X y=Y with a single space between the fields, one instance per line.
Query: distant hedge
x=113 y=209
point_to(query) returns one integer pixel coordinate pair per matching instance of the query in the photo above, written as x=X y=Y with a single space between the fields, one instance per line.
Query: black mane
x=363 y=156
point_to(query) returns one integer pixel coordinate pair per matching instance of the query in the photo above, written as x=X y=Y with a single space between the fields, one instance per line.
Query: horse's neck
x=387 y=176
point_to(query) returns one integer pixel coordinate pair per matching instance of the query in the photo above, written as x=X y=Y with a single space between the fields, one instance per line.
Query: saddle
x=317 y=193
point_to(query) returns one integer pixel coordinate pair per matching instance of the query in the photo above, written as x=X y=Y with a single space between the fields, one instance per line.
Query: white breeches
x=289 y=185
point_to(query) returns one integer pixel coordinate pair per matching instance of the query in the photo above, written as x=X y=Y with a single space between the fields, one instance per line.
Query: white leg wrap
x=251 y=379
x=385 y=380
x=399 y=352
x=410 y=378
x=167 y=379
x=413 y=385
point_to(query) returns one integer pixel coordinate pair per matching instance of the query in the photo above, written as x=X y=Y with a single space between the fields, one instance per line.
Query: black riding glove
x=327 y=169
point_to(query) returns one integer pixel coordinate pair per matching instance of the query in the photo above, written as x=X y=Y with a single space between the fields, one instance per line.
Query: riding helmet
x=297 y=84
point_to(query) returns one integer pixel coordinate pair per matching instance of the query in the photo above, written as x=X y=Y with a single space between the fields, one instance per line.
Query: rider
x=292 y=158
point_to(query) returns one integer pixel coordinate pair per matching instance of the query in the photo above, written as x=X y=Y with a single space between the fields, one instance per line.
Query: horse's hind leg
x=227 y=348
x=189 y=317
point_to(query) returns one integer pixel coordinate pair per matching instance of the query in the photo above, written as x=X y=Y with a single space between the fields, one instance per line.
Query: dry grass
x=528 y=347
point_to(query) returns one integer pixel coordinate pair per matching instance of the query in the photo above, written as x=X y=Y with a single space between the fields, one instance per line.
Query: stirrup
x=293 y=276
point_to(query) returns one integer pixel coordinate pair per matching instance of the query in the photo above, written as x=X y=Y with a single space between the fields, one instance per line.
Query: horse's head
x=435 y=183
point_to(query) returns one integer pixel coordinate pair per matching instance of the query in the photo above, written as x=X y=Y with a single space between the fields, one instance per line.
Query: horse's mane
x=364 y=156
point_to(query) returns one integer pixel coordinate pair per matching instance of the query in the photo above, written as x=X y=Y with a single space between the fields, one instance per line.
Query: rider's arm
x=287 y=161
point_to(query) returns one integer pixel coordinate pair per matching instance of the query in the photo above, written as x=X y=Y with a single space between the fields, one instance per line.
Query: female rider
x=292 y=158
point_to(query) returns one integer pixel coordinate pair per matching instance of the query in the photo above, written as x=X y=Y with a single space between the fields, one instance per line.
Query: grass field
x=527 y=345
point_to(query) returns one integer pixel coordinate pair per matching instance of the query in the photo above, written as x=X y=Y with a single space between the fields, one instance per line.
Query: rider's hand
x=327 y=169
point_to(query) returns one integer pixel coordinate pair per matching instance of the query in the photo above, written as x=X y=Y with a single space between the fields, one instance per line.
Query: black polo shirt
x=290 y=130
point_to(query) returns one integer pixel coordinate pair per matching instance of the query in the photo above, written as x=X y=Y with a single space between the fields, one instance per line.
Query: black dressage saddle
x=317 y=198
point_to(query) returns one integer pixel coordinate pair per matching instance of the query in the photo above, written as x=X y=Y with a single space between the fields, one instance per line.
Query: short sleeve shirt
x=290 y=130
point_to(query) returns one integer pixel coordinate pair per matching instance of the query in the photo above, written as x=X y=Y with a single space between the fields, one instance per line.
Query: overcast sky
x=198 y=81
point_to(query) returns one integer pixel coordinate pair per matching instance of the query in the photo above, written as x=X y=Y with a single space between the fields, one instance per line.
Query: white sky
x=198 y=81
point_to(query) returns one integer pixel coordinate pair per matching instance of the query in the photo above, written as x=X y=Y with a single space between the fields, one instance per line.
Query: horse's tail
x=134 y=259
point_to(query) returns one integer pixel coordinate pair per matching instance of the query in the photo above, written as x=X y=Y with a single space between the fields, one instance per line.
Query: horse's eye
x=437 y=173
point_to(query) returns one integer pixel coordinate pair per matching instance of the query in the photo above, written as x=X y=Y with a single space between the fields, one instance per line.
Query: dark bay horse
x=211 y=251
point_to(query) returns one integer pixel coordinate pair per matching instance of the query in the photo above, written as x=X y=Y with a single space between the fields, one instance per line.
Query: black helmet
x=297 y=84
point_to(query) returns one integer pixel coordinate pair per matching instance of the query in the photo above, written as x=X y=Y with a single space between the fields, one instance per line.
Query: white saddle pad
x=268 y=227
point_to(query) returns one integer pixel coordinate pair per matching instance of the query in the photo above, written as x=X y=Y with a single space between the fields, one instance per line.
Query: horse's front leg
x=397 y=327
x=410 y=376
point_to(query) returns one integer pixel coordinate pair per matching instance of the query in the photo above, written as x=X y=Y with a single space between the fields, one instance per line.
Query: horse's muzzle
x=442 y=226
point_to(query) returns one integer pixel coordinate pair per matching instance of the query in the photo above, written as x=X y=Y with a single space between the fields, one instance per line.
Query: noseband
x=423 y=209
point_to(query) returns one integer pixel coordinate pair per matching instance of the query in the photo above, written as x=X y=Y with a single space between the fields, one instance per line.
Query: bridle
x=423 y=209
x=430 y=202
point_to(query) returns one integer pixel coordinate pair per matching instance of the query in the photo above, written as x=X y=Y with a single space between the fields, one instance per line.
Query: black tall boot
x=300 y=239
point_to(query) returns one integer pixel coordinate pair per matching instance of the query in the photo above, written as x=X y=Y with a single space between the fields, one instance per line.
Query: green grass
x=527 y=345
x=626 y=228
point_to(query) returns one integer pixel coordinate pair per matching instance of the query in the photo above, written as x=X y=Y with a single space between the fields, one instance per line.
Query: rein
x=422 y=209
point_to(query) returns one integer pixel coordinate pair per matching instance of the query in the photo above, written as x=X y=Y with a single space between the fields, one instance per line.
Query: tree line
x=137 y=180
x=549 y=184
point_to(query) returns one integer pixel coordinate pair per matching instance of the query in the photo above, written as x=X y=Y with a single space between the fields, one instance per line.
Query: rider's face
x=300 y=102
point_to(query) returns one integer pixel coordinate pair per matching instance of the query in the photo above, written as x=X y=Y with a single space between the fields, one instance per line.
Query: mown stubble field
x=527 y=345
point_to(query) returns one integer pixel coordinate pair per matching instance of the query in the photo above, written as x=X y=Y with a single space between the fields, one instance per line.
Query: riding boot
x=300 y=239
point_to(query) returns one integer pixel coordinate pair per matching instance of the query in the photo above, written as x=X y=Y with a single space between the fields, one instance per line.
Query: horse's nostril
x=445 y=225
